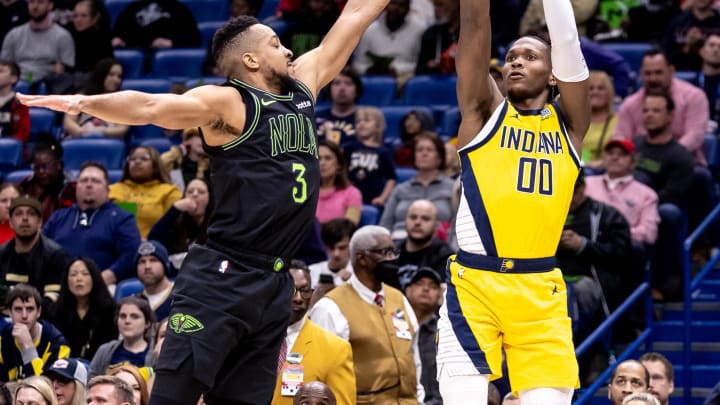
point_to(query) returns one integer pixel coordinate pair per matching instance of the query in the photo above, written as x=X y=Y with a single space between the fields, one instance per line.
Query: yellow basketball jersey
x=518 y=177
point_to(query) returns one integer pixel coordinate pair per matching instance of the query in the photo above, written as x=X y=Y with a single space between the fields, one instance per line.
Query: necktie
x=282 y=356
x=378 y=300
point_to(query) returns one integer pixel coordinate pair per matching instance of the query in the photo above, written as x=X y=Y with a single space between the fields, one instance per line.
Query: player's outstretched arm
x=476 y=90
x=197 y=107
x=569 y=67
x=319 y=66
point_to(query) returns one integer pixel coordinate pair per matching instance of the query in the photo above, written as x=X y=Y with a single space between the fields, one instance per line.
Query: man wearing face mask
x=377 y=320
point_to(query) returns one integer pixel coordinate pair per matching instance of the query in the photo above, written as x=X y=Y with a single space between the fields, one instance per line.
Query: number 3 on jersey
x=535 y=176
x=299 y=191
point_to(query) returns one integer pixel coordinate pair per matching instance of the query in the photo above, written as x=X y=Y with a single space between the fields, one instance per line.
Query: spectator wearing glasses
x=145 y=188
x=323 y=356
x=49 y=183
x=68 y=377
x=96 y=227
x=377 y=320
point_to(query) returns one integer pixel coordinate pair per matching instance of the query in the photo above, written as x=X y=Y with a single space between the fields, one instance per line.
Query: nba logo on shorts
x=222 y=268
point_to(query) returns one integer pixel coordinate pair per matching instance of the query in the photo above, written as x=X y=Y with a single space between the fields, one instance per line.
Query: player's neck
x=530 y=103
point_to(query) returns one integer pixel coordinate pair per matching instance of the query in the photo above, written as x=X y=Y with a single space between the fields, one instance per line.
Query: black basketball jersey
x=266 y=181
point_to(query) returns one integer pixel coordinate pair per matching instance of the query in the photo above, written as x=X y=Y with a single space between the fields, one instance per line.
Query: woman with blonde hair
x=603 y=119
x=133 y=376
x=35 y=390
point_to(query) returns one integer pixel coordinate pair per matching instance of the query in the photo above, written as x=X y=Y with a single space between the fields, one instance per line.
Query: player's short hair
x=230 y=32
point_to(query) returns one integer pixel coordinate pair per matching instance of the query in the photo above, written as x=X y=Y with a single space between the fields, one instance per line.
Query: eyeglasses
x=304 y=292
x=385 y=252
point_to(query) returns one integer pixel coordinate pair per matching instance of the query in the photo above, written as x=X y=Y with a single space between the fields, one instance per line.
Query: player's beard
x=286 y=82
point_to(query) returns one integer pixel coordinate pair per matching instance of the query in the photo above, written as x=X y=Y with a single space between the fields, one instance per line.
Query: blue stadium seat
x=127 y=288
x=11 y=152
x=147 y=85
x=712 y=154
x=450 y=123
x=687 y=75
x=109 y=152
x=404 y=174
x=185 y=62
x=139 y=134
x=632 y=52
x=22 y=86
x=378 y=90
x=16 y=176
x=393 y=116
x=114 y=8
x=277 y=24
x=161 y=144
x=203 y=81
x=114 y=175
x=207 y=30
x=268 y=9
x=370 y=215
x=132 y=61
x=431 y=89
x=41 y=120
x=209 y=10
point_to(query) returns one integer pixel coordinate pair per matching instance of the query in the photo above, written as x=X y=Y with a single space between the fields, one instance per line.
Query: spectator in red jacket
x=14 y=117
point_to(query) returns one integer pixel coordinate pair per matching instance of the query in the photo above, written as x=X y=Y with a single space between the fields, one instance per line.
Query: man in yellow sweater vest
x=377 y=320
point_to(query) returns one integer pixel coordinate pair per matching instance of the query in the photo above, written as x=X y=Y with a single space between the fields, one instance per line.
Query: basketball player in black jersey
x=231 y=301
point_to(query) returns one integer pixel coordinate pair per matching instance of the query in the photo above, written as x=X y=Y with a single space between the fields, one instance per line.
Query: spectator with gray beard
x=42 y=48
x=420 y=248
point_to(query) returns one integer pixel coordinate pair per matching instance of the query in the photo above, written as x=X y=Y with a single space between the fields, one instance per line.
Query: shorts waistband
x=504 y=264
x=259 y=260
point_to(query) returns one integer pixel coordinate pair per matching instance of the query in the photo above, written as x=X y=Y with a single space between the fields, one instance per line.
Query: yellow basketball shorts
x=524 y=313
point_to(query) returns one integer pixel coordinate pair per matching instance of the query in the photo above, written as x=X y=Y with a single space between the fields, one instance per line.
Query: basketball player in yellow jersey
x=519 y=165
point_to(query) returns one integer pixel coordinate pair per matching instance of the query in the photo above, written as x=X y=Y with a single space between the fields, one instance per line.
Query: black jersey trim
x=250 y=129
x=288 y=97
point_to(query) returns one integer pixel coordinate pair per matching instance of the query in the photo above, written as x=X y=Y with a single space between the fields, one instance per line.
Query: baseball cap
x=69 y=369
x=25 y=201
x=625 y=144
x=153 y=248
x=426 y=272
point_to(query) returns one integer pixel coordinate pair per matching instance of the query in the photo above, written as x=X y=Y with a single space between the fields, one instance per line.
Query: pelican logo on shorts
x=507 y=264
x=222 y=268
x=182 y=323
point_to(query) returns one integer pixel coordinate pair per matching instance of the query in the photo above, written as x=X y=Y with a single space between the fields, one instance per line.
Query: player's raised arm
x=476 y=90
x=197 y=107
x=319 y=66
x=568 y=67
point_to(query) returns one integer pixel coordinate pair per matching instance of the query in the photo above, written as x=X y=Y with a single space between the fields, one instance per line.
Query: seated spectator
x=185 y=223
x=430 y=183
x=134 y=378
x=188 y=160
x=391 y=45
x=603 y=119
x=648 y=21
x=8 y=191
x=309 y=25
x=662 y=376
x=336 y=236
x=686 y=32
x=337 y=124
x=338 y=198
x=152 y=270
x=421 y=248
x=97 y=228
x=452 y=161
x=106 y=77
x=12 y=14
x=708 y=78
x=28 y=343
x=49 y=183
x=30 y=257
x=84 y=311
x=155 y=24
x=35 y=390
x=411 y=124
x=145 y=188
x=134 y=320
x=439 y=42
x=109 y=390
x=14 y=116
x=92 y=40
x=628 y=378
x=68 y=377
x=371 y=167
x=43 y=50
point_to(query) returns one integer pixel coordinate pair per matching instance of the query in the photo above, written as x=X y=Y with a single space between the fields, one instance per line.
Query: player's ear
x=250 y=60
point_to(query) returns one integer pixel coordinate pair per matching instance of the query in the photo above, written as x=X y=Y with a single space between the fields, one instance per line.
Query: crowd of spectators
x=68 y=239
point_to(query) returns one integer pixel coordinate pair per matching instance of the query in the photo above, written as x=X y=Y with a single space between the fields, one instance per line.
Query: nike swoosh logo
x=266 y=102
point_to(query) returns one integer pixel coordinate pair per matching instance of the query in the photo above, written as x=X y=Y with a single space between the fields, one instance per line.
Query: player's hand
x=21 y=333
x=67 y=103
